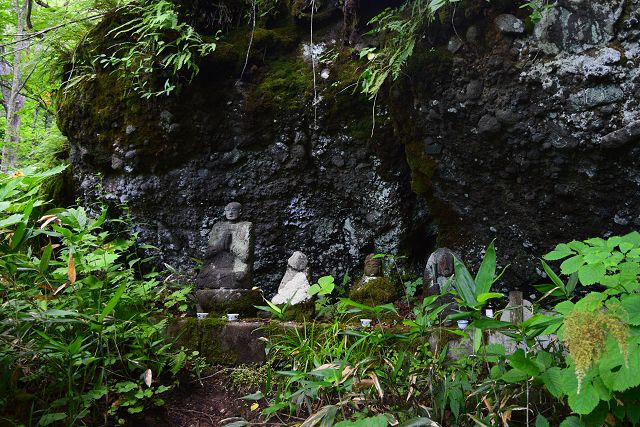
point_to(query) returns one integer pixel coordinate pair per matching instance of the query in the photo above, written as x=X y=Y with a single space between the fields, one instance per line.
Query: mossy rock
x=287 y=85
x=304 y=311
x=203 y=336
x=245 y=306
x=375 y=291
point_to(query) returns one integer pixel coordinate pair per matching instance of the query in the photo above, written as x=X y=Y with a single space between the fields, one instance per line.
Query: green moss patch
x=305 y=311
x=245 y=306
x=286 y=85
x=374 y=292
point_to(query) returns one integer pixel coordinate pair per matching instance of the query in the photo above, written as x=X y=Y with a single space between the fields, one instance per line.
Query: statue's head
x=372 y=266
x=232 y=211
x=298 y=261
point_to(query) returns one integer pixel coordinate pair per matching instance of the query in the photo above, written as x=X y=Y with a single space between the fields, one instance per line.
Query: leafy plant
x=324 y=286
x=277 y=312
x=399 y=30
x=154 y=40
x=474 y=293
x=537 y=9
x=80 y=333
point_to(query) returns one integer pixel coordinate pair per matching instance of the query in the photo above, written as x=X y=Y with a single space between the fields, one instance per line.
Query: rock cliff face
x=531 y=139
x=310 y=177
x=528 y=136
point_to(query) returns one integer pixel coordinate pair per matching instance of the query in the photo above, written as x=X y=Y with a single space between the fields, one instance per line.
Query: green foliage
x=80 y=333
x=474 y=293
x=537 y=9
x=613 y=263
x=324 y=286
x=155 y=40
x=399 y=30
x=276 y=311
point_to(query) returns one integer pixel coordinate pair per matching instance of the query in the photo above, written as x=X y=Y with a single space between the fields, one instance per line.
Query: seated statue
x=438 y=271
x=373 y=288
x=229 y=257
x=294 y=287
x=226 y=277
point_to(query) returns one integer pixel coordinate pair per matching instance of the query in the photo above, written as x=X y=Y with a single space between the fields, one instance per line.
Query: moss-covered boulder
x=219 y=341
x=374 y=291
x=302 y=312
x=243 y=303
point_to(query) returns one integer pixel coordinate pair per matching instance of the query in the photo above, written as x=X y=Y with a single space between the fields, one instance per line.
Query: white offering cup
x=462 y=324
x=201 y=315
x=365 y=323
x=232 y=317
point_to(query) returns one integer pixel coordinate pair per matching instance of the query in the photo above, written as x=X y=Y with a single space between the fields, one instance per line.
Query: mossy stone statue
x=373 y=289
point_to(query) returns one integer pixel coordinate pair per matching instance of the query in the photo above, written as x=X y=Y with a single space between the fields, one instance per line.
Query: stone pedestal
x=223 y=301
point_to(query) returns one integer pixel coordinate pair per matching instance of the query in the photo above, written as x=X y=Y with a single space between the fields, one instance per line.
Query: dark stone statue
x=229 y=257
x=227 y=272
x=438 y=271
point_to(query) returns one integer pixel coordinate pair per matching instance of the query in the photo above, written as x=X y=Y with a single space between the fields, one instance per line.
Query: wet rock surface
x=537 y=132
x=309 y=178
x=529 y=137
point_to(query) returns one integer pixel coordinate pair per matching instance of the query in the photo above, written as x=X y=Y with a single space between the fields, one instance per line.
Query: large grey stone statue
x=438 y=271
x=294 y=286
x=228 y=262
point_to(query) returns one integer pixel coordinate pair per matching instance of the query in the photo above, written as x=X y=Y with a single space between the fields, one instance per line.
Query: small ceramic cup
x=201 y=315
x=232 y=317
x=365 y=323
x=462 y=324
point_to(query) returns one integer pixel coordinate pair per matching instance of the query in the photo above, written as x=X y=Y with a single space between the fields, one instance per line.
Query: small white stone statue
x=294 y=287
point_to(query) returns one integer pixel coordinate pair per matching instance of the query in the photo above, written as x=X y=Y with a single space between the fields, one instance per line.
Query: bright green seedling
x=476 y=292
x=324 y=286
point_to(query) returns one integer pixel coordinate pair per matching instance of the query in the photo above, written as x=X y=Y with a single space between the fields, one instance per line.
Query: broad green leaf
x=541 y=421
x=253 y=396
x=626 y=247
x=487 y=271
x=552 y=379
x=633 y=237
x=561 y=251
x=586 y=401
x=597 y=241
x=487 y=323
x=571 y=265
x=565 y=307
x=572 y=422
x=484 y=297
x=11 y=220
x=464 y=284
x=514 y=376
x=48 y=419
x=590 y=274
x=591 y=302
x=520 y=361
x=631 y=304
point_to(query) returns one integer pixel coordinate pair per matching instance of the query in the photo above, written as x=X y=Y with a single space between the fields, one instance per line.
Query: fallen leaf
x=47 y=219
x=254 y=406
x=148 y=376
x=71 y=268
x=60 y=288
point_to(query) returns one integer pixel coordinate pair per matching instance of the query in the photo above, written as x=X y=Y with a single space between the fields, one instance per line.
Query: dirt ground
x=195 y=405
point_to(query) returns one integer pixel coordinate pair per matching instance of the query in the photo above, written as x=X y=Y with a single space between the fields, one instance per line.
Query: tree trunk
x=15 y=100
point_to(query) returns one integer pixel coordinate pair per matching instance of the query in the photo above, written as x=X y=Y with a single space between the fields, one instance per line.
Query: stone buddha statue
x=439 y=269
x=294 y=287
x=229 y=256
x=228 y=263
